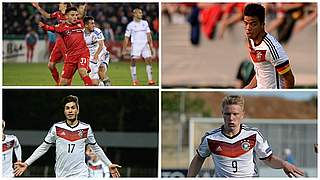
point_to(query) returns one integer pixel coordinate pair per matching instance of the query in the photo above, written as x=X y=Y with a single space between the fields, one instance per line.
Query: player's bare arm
x=252 y=84
x=124 y=45
x=150 y=42
x=288 y=80
x=96 y=55
x=82 y=10
x=195 y=166
x=42 y=11
x=290 y=169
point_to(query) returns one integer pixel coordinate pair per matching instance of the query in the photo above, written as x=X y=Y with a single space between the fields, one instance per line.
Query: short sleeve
x=51 y=136
x=128 y=31
x=262 y=147
x=203 y=149
x=90 y=139
x=99 y=34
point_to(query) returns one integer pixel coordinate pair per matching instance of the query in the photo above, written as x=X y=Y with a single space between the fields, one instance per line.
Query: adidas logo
x=219 y=148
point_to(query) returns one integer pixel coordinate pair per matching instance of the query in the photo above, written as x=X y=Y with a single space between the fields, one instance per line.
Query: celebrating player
x=77 y=53
x=141 y=45
x=97 y=169
x=235 y=146
x=10 y=143
x=271 y=63
x=99 y=56
x=70 y=137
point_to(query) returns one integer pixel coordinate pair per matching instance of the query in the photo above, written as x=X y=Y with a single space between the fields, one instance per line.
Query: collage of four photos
x=159 y=89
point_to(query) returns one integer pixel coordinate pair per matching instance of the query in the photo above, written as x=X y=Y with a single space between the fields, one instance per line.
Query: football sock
x=55 y=74
x=87 y=81
x=133 y=73
x=149 y=71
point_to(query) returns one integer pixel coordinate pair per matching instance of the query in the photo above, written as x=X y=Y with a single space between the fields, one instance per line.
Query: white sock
x=149 y=71
x=133 y=73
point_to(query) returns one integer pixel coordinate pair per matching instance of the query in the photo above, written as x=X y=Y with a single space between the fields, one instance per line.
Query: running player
x=235 y=146
x=77 y=53
x=10 y=143
x=97 y=169
x=99 y=56
x=70 y=137
x=141 y=45
x=271 y=62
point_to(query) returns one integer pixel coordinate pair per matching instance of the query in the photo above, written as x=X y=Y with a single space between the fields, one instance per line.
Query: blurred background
x=125 y=124
x=288 y=120
x=204 y=44
x=20 y=19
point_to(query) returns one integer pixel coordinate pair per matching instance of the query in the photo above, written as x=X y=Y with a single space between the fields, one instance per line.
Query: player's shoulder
x=213 y=132
x=271 y=41
x=84 y=124
x=251 y=129
x=97 y=31
x=11 y=136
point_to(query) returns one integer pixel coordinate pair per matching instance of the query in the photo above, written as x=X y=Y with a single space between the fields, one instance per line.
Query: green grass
x=37 y=74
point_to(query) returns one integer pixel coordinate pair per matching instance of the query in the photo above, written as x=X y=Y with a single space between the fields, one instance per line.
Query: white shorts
x=138 y=50
x=104 y=58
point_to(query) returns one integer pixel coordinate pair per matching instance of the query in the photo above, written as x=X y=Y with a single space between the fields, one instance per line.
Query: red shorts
x=59 y=50
x=72 y=63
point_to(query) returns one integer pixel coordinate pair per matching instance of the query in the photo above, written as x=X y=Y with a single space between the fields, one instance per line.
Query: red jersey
x=59 y=16
x=72 y=35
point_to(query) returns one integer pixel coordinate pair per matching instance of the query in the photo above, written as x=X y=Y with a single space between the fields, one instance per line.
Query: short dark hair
x=255 y=10
x=87 y=19
x=71 y=9
x=70 y=98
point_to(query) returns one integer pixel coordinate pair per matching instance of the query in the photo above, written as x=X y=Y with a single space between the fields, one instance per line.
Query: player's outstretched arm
x=277 y=163
x=19 y=168
x=195 y=166
x=113 y=168
x=288 y=79
x=42 y=11
x=82 y=9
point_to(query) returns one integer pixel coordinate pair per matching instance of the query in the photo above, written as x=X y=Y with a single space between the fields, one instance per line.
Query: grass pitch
x=38 y=74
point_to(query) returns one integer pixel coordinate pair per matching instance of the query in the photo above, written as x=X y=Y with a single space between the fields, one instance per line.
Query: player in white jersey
x=99 y=55
x=270 y=61
x=70 y=137
x=234 y=146
x=10 y=143
x=97 y=169
x=141 y=45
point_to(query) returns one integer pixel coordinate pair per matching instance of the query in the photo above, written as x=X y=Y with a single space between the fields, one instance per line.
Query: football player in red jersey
x=234 y=146
x=58 y=51
x=77 y=53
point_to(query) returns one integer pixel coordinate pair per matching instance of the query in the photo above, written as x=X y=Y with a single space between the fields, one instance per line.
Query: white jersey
x=235 y=156
x=9 y=144
x=97 y=169
x=270 y=61
x=138 y=32
x=92 y=39
x=70 y=148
